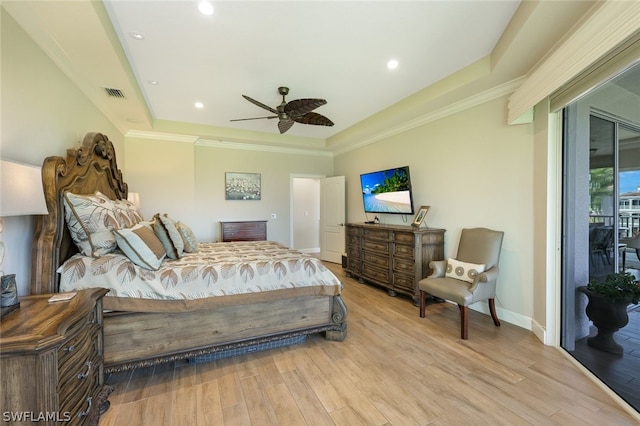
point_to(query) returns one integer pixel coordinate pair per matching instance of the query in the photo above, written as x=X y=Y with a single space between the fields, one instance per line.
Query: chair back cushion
x=480 y=245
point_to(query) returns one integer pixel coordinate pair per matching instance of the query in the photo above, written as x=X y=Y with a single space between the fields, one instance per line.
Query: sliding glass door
x=601 y=216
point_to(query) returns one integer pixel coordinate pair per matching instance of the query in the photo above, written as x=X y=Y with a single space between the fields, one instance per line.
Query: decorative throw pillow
x=141 y=246
x=463 y=271
x=188 y=238
x=165 y=229
x=126 y=213
x=91 y=221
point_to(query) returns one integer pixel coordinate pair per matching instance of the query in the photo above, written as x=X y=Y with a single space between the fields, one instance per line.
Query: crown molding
x=454 y=108
x=263 y=148
x=171 y=137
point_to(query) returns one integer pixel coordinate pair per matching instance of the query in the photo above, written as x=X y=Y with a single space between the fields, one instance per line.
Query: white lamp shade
x=134 y=197
x=22 y=192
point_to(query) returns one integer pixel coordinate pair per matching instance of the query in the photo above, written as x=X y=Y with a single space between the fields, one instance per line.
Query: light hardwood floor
x=394 y=368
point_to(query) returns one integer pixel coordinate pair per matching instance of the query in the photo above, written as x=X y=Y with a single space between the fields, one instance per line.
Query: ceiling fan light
x=205 y=8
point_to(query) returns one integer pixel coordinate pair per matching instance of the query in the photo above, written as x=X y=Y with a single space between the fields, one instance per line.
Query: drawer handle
x=85 y=375
x=69 y=349
x=88 y=410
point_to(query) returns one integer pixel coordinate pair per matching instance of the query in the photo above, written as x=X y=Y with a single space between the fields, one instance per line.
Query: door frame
x=293 y=176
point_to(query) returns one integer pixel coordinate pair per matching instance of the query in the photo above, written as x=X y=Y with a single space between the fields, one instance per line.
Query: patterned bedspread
x=217 y=269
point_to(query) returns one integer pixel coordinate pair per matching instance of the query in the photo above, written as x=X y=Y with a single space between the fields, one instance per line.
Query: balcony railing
x=627 y=223
x=630 y=223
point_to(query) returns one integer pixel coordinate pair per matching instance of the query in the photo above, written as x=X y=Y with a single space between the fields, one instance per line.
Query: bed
x=295 y=294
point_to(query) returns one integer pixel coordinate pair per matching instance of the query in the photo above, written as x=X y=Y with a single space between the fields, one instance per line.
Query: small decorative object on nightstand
x=8 y=294
x=51 y=369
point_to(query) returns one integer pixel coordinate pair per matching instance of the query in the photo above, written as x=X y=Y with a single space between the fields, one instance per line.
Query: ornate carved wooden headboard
x=85 y=170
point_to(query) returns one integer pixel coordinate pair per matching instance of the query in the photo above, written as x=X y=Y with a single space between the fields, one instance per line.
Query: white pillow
x=463 y=271
x=91 y=221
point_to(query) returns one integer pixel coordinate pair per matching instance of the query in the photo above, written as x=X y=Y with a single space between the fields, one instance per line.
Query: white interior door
x=332 y=217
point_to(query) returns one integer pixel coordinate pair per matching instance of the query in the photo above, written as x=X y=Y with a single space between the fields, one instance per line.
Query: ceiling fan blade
x=300 y=107
x=285 y=124
x=254 y=118
x=260 y=104
x=313 y=118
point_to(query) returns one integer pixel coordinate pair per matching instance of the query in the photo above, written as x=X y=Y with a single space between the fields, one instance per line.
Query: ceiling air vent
x=114 y=93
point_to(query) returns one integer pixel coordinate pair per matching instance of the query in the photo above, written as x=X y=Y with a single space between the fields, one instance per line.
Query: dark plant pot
x=608 y=317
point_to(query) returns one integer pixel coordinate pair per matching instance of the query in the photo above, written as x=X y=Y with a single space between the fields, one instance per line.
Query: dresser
x=393 y=256
x=52 y=361
x=248 y=230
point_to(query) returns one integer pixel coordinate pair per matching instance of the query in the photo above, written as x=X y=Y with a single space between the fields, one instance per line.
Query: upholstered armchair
x=469 y=278
x=632 y=243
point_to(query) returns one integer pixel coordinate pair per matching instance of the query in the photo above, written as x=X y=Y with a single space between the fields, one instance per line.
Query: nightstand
x=51 y=360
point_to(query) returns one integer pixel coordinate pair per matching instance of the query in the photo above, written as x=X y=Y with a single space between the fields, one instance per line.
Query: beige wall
x=186 y=181
x=473 y=170
x=43 y=114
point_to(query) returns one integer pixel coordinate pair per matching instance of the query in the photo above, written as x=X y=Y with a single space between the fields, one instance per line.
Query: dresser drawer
x=403 y=265
x=405 y=251
x=404 y=237
x=353 y=240
x=77 y=373
x=378 y=246
x=376 y=234
x=353 y=253
x=404 y=282
x=375 y=259
x=352 y=230
x=90 y=318
x=74 y=396
x=376 y=274
x=76 y=344
x=354 y=265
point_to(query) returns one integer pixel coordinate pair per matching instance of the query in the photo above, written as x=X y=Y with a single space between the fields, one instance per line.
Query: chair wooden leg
x=423 y=297
x=464 y=322
x=492 y=309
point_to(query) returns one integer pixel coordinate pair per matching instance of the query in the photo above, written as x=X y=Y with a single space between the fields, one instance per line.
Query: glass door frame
x=576 y=201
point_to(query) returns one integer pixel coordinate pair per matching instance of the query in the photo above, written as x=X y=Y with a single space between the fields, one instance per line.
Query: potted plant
x=607 y=308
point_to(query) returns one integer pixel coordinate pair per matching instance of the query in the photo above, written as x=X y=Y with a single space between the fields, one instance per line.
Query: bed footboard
x=135 y=340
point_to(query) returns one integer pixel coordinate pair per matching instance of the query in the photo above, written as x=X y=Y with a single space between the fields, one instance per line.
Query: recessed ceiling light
x=152 y=82
x=136 y=35
x=392 y=64
x=199 y=105
x=205 y=8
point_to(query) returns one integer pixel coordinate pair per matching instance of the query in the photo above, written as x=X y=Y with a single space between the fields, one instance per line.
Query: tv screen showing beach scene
x=387 y=191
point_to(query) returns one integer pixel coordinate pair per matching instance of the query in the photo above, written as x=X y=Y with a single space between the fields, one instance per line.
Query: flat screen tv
x=387 y=191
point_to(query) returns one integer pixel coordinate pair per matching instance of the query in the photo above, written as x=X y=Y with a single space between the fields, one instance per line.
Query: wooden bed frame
x=134 y=339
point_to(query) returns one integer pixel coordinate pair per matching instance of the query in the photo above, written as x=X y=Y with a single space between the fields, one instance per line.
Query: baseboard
x=309 y=250
x=540 y=332
x=505 y=315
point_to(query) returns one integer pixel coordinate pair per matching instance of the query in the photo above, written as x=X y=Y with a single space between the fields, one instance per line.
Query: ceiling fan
x=297 y=111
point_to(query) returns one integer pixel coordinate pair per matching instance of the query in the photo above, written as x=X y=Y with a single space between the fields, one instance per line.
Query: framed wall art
x=242 y=186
